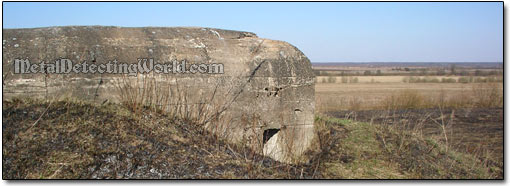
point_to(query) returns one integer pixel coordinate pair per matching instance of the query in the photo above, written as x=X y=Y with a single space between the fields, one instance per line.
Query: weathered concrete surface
x=267 y=86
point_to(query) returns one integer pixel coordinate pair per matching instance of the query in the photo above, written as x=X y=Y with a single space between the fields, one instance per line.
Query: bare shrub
x=331 y=79
x=406 y=99
x=345 y=79
x=406 y=79
x=427 y=79
x=354 y=80
x=448 y=80
x=355 y=103
x=488 y=95
x=166 y=95
x=459 y=100
x=431 y=80
x=463 y=80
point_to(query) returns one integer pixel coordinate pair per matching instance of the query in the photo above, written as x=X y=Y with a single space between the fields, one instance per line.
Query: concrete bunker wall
x=266 y=94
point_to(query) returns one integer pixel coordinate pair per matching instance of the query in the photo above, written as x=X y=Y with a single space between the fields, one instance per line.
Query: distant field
x=367 y=96
x=341 y=96
x=367 y=86
x=393 y=79
x=407 y=69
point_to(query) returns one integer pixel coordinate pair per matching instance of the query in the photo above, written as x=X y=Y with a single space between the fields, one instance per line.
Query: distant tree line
x=451 y=71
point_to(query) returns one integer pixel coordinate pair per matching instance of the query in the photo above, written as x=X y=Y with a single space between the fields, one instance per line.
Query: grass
x=370 y=151
x=78 y=140
x=170 y=96
x=74 y=139
x=484 y=95
x=488 y=95
x=377 y=96
x=359 y=155
x=405 y=99
x=411 y=151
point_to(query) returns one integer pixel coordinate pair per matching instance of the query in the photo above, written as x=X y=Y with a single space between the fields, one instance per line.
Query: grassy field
x=462 y=112
x=368 y=96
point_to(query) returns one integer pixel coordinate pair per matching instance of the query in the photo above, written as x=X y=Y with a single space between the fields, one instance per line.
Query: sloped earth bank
x=69 y=139
x=76 y=140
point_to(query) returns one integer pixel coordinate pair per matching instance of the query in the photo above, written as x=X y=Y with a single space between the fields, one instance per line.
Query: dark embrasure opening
x=268 y=133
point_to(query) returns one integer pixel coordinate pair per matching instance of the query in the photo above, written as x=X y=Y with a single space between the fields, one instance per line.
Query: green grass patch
x=373 y=151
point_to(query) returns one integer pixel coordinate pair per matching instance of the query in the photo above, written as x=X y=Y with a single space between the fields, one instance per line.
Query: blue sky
x=325 y=32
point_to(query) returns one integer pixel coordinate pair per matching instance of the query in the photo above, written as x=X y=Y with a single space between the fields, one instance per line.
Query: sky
x=324 y=32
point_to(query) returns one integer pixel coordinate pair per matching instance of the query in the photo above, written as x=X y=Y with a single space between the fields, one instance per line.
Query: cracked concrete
x=267 y=84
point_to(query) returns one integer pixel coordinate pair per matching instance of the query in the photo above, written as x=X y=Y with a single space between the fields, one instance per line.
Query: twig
x=57 y=171
x=233 y=152
x=206 y=151
x=316 y=167
x=37 y=121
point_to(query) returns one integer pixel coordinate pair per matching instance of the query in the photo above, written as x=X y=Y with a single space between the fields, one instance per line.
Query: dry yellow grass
x=365 y=96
